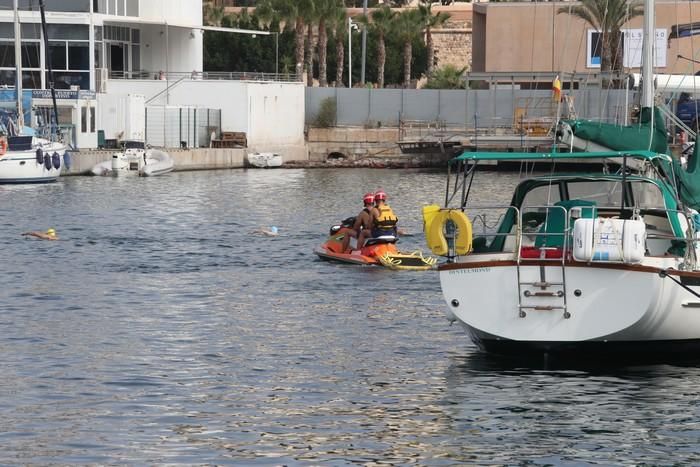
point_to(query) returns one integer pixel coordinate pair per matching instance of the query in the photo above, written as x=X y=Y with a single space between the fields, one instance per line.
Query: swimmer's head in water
x=51 y=232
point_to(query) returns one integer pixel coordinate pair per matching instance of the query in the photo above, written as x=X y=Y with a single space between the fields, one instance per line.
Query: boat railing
x=203 y=75
x=546 y=232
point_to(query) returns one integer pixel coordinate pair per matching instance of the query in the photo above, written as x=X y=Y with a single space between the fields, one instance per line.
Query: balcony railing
x=203 y=75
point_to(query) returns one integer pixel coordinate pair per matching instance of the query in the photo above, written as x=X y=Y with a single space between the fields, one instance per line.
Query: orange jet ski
x=379 y=251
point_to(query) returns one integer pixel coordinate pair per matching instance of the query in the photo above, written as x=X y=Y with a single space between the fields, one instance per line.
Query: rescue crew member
x=383 y=220
x=362 y=222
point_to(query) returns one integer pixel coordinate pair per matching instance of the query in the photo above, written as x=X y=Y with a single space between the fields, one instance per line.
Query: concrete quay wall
x=188 y=159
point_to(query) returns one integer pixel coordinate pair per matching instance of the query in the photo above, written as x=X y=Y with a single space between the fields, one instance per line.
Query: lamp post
x=351 y=26
x=277 y=54
x=364 y=44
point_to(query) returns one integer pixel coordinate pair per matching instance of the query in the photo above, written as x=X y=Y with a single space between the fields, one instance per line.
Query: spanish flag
x=556 y=89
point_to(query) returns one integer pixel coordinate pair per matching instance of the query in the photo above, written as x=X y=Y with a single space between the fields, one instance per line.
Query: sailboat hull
x=23 y=166
x=605 y=307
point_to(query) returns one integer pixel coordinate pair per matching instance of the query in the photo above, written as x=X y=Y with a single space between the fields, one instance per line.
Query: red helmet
x=368 y=198
x=380 y=196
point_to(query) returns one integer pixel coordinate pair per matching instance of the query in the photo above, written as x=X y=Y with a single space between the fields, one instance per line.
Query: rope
x=663 y=273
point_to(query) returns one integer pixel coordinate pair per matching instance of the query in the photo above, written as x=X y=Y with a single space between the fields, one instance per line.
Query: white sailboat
x=27 y=158
x=579 y=264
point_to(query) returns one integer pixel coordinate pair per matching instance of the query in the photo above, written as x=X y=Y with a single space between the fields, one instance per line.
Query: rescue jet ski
x=380 y=251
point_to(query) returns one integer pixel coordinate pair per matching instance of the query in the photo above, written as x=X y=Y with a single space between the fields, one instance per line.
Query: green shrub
x=326 y=113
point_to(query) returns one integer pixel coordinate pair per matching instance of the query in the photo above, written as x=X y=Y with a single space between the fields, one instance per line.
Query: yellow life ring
x=435 y=232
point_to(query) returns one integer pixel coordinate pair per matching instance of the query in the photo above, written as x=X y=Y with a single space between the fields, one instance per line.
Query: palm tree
x=339 y=23
x=289 y=12
x=381 y=23
x=607 y=17
x=213 y=15
x=407 y=28
x=431 y=21
x=326 y=10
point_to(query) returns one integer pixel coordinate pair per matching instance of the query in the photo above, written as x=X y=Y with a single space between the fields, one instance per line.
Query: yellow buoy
x=435 y=233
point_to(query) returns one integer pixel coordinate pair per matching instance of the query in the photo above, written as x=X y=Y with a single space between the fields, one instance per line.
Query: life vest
x=386 y=219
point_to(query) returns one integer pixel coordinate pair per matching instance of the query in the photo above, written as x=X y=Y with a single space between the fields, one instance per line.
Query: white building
x=93 y=40
x=105 y=50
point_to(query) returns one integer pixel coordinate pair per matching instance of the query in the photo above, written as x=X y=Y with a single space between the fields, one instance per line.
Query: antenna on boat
x=54 y=128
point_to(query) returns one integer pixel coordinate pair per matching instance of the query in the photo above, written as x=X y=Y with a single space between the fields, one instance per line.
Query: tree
x=339 y=23
x=293 y=12
x=407 y=28
x=213 y=15
x=326 y=10
x=381 y=24
x=447 y=77
x=431 y=21
x=607 y=17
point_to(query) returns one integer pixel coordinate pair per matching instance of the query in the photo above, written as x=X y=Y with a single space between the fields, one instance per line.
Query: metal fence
x=182 y=127
x=494 y=108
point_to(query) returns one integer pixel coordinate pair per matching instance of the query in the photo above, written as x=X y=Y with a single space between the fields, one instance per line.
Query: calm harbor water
x=160 y=330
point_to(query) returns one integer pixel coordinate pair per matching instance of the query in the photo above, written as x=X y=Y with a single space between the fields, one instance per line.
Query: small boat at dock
x=264 y=160
x=136 y=159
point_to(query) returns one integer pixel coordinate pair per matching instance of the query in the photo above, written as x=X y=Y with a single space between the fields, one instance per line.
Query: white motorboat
x=580 y=264
x=136 y=159
x=30 y=159
x=264 y=160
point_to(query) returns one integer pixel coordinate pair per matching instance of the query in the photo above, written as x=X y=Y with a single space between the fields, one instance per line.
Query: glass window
x=28 y=31
x=98 y=55
x=132 y=7
x=92 y=119
x=7 y=55
x=647 y=196
x=112 y=6
x=57 y=52
x=83 y=119
x=7 y=78
x=98 y=33
x=78 y=55
x=68 y=31
x=603 y=193
x=66 y=79
x=120 y=7
x=68 y=5
x=31 y=79
x=30 y=54
x=136 y=36
x=542 y=196
x=135 y=58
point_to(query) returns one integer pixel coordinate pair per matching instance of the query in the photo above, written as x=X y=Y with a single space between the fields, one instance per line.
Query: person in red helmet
x=383 y=220
x=362 y=221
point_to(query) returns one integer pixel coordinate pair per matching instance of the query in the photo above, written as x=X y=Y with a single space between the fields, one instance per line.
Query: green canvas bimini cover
x=687 y=180
x=625 y=138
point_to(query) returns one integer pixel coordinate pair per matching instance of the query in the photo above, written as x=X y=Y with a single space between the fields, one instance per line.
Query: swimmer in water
x=271 y=232
x=50 y=234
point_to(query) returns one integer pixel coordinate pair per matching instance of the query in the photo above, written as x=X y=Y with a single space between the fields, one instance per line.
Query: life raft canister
x=56 y=160
x=435 y=223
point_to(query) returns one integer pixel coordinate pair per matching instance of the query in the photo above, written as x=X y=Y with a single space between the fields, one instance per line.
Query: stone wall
x=453 y=44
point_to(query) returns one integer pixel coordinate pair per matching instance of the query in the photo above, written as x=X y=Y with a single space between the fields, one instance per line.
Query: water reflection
x=160 y=330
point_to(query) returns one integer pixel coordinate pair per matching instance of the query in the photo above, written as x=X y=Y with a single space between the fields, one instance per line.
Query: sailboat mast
x=48 y=65
x=649 y=38
x=18 y=68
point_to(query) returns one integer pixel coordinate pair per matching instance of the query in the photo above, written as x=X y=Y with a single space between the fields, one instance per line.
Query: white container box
x=609 y=240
